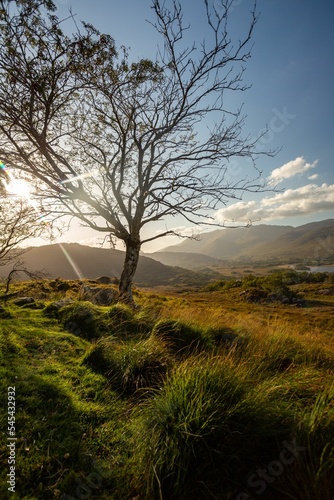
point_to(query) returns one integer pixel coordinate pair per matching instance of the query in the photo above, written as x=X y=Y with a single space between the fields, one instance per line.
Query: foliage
x=18 y=223
x=277 y=282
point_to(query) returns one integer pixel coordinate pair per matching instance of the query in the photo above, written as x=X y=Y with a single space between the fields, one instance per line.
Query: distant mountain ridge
x=72 y=261
x=183 y=259
x=184 y=264
x=255 y=243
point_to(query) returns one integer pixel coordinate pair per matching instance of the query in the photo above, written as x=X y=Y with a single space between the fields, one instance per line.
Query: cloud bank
x=290 y=169
x=305 y=200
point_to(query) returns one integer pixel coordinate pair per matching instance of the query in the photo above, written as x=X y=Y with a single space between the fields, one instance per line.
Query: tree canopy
x=120 y=144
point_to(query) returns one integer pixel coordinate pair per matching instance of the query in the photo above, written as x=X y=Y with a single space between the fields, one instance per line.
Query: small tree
x=121 y=144
x=18 y=223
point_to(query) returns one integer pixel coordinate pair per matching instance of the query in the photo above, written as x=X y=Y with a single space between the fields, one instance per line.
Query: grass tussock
x=130 y=366
x=195 y=427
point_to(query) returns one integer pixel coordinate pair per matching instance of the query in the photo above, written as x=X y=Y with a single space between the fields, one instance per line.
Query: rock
x=326 y=291
x=99 y=295
x=60 y=285
x=61 y=303
x=23 y=301
x=298 y=302
x=103 y=280
x=52 y=309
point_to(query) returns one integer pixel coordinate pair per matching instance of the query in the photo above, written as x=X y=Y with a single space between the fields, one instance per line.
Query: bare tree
x=121 y=144
x=20 y=220
x=18 y=223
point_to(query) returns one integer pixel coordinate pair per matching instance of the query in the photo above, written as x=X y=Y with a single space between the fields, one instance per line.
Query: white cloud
x=313 y=177
x=306 y=200
x=237 y=212
x=290 y=169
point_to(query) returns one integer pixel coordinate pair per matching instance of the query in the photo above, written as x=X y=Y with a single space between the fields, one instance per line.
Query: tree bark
x=129 y=269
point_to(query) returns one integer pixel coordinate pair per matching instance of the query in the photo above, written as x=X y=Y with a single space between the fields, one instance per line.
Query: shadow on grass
x=52 y=455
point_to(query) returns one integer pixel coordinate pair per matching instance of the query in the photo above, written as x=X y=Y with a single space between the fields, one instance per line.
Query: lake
x=322 y=269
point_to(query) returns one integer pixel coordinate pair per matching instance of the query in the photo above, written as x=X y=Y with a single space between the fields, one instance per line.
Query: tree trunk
x=129 y=269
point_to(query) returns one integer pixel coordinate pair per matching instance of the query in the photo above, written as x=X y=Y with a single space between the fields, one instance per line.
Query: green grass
x=188 y=397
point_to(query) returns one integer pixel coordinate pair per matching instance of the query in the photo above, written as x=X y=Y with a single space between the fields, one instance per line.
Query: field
x=221 y=392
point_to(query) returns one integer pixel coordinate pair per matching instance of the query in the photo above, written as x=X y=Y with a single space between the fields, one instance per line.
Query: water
x=322 y=269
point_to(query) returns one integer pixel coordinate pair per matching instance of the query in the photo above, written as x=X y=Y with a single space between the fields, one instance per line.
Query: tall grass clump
x=312 y=478
x=80 y=318
x=130 y=366
x=124 y=322
x=202 y=430
x=276 y=349
x=182 y=338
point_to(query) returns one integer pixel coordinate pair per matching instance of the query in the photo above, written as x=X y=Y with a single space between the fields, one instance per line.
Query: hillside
x=309 y=242
x=229 y=243
x=73 y=261
x=182 y=259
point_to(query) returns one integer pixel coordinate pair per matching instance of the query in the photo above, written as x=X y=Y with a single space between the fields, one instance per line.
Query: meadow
x=219 y=392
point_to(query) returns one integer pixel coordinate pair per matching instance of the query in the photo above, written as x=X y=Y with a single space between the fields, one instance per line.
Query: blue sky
x=291 y=72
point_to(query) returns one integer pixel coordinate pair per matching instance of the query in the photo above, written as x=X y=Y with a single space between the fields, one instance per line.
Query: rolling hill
x=313 y=241
x=73 y=261
x=182 y=259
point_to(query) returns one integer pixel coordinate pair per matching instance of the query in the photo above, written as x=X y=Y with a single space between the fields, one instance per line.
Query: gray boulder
x=23 y=301
x=100 y=296
x=103 y=280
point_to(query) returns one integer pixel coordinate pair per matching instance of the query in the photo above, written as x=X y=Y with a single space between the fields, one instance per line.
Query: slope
x=73 y=261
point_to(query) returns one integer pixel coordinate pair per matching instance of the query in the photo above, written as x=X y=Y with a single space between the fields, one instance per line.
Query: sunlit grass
x=185 y=397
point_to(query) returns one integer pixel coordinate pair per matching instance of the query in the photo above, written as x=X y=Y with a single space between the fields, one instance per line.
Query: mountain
x=229 y=243
x=73 y=261
x=310 y=241
x=182 y=259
